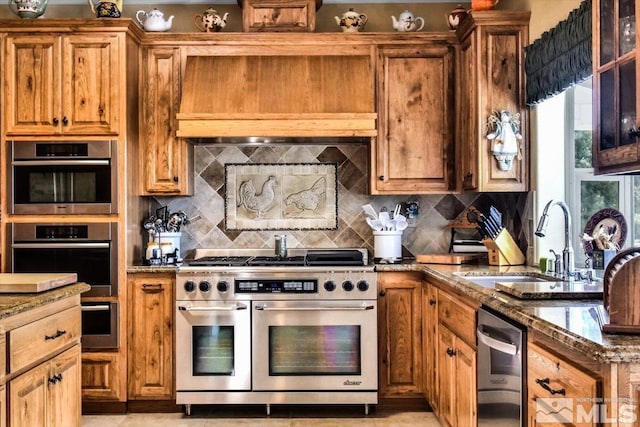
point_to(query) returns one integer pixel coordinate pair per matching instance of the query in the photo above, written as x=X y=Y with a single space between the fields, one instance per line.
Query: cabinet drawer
x=458 y=317
x=550 y=376
x=37 y=340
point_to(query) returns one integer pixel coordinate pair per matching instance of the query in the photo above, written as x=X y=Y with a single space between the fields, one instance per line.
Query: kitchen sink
x=490 y=281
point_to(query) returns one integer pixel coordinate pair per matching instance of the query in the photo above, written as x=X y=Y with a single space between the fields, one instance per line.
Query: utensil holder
x=503 y=250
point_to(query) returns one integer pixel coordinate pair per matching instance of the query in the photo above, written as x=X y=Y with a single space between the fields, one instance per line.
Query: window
x=588 y=193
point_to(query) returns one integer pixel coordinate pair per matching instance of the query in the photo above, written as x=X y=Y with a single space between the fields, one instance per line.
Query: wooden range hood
x=277 y=96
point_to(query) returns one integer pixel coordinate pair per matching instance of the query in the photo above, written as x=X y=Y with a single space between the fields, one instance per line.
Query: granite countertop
x=12 y=304
x=574 y=323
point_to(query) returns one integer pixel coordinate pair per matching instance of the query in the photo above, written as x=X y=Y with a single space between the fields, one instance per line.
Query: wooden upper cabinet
x=63 y=84
x=491 y=79
x=414 y=151
x=616 y=101
x=165 y=158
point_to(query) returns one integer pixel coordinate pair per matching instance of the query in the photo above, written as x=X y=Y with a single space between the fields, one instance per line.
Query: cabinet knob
x=451 y=352
x=55 y=121
x=65 y=121
x=175 y=179
x=382 y=293
x=432 y=302
x=468 y=176
x=381 y=177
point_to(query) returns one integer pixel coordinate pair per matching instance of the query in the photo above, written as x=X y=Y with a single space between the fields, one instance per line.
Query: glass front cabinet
x=616 y=140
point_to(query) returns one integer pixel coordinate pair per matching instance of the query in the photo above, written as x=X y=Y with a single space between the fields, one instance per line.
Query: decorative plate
x=614 y=224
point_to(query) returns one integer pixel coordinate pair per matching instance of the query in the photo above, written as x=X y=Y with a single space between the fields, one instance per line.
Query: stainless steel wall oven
x=66 y=177
x=88 y=249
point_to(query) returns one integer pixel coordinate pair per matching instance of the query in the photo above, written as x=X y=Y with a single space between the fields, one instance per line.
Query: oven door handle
x=264 y=307
x=491 y=342
x=44 y=245
x=233 y=307
x=79 y=162
x=101 y=307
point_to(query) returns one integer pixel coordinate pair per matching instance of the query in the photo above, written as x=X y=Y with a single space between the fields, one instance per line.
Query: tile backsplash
x=206 y=207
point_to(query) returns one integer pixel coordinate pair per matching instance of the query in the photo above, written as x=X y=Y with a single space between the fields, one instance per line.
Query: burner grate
x=220 y=261
x=273 y=260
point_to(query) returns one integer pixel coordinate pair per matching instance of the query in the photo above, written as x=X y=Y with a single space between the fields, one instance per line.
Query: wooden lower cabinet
x=102 y=377
x=550 y=378
x=449 y=356
x=151 y=321
x=47 y=395
x=400 y=335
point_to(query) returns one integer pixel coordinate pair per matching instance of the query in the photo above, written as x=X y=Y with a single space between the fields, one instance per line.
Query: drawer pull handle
x=152 y=287
x=58 y=334
x=544 y=383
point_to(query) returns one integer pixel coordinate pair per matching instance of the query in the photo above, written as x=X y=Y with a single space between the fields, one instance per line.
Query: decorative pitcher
x=455 y=17
x=107 y=9
x=352 y=22
x=28 y=8
x=210 y=21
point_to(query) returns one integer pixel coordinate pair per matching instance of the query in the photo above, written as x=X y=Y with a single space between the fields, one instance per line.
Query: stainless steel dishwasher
x=501 y=367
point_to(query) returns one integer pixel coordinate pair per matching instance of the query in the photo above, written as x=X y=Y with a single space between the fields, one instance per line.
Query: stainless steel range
x=252 y=328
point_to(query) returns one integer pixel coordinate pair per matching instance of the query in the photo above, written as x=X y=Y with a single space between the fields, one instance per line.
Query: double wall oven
x=88 y=249
x=276 y=331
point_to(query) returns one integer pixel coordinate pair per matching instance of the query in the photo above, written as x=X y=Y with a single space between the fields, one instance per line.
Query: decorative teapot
x=455 y=17
x=483 y=4
x=210 y=21
x=107 y=9
x=407 y=22
x=28 y=8
x=154 y=20
x=352 y=22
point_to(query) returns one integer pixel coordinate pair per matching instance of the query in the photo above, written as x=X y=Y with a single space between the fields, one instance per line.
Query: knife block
x=503 y=250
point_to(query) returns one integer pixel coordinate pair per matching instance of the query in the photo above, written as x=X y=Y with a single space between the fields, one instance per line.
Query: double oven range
x=258 y=329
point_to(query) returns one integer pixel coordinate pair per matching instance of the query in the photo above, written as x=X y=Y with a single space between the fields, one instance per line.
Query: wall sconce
x=504 y=134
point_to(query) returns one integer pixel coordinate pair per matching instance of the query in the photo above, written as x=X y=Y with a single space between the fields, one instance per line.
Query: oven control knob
x=189 y=286
x=222 y=286
x=329 y=285
x=362 y=285
x=205 y=286
x=347 y=285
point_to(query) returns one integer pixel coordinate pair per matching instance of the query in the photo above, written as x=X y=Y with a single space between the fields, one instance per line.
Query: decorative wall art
x=281 y=196
x=503 y=130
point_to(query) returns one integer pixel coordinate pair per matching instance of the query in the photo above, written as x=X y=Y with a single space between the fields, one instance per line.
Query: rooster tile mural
x=206 y=208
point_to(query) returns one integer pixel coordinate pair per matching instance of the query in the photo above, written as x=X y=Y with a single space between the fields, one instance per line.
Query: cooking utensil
x=369 y=211
x=401 y=222
x=489 y=226
x=396 y=211
x=496 y=215
x=472 y=217
x=384 y=218
x=375 y=224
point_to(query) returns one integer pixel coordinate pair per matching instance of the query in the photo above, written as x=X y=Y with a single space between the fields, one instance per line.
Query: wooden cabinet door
x=165 y=158
x=32 y=84
x=446 y=376
x=466 y=387
x=103 y=377
x=414 y=151
x=64 y=404
x=28 y=398
x=93 y=84
x=430 y=344
x=492 y=79
x=400 y=337
x=616 y=99
x=151 y=313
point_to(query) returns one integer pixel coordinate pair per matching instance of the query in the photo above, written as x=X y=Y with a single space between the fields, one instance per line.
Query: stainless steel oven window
x=315 y=350
x=213 y=350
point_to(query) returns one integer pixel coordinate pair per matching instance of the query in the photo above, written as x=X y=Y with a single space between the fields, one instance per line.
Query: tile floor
x=281 y=416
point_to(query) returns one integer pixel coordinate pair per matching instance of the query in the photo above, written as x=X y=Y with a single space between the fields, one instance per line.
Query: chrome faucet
x=568 y=269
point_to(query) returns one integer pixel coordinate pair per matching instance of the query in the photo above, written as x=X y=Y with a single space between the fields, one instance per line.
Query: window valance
x=561 y=57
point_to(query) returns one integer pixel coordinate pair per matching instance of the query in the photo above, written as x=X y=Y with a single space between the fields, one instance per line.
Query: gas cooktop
x=259 y=257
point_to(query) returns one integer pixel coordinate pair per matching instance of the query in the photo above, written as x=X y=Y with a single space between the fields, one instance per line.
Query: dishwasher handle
x=497 y=344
